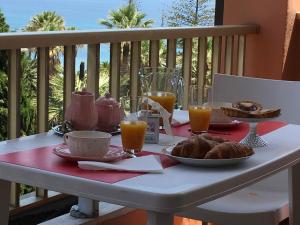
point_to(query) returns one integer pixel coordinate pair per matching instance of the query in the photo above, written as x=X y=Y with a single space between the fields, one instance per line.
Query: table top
x=179 y=188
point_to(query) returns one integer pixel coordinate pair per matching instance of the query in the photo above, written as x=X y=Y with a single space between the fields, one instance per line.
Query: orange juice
x=199 y=118
x=133 y=134
x=165 y=99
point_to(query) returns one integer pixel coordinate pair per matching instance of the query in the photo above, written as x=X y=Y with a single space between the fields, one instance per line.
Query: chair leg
x=204 y=223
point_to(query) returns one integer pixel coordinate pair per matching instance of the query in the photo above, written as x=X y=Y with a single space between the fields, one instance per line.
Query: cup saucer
x=114 y=153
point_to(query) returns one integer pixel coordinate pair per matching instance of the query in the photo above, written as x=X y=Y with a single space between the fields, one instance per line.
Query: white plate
x=253 y=120
x=205 y=162
x=232 y=124
x=57 y=130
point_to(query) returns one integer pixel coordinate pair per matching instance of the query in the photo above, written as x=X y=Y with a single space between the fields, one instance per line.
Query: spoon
x=130 y=154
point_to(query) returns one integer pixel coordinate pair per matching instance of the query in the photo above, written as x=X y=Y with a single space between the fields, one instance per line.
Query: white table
x=179 y=188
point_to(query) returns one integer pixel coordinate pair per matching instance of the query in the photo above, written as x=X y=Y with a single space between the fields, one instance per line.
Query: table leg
x=86 y=208
x=155 y=218
x=4 y=202
x=294 y=194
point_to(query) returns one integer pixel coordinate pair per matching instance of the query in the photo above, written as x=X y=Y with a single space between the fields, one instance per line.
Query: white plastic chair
x=265 y=202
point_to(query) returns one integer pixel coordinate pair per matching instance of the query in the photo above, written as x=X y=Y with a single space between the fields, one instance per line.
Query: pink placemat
x=234 y=134
x=43 y=159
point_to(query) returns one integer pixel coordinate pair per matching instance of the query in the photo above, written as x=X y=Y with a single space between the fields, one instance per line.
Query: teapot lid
x=107 y=100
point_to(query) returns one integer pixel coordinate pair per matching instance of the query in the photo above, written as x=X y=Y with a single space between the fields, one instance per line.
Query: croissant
x=205 y=146
x=196 y=146
x=228 y=150
x=214 y=138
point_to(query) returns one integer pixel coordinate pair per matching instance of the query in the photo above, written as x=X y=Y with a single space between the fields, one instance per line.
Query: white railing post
x=201 y=67
x=69 y=74
x=42 y=99
x=14 y=76
x=241 y=55
x=93 y=65
x=115 y=62
x=134 y=70
x=186 y=67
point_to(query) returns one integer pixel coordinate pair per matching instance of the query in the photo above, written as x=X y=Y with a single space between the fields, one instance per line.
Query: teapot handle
x=66 y=138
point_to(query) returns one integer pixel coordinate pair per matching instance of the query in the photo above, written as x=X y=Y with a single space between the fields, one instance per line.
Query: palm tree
x=126 y=17
x=4 y=27
x=46 y=21
x=51 y=21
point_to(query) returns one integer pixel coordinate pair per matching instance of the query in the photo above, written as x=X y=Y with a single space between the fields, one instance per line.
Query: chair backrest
x=270 y=93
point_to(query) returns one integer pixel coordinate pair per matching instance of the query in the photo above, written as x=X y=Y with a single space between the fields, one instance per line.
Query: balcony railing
x=227 y=56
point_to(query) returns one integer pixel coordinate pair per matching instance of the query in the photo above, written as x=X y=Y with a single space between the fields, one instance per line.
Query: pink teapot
x=110 y=113
x=82 y=112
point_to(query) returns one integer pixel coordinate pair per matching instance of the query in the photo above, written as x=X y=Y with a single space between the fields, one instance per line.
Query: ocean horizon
x=82 y=14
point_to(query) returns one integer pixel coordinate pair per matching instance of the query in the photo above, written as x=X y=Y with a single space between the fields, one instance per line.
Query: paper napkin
x=150 y=164
x=180 y=118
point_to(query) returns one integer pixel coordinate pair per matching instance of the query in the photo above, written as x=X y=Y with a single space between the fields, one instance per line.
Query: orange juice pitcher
x=163 y=85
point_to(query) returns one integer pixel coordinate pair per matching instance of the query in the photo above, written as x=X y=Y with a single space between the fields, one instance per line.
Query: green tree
x=51 y=21
x=46 y=21
x=190 y=13
x=126 y=17
x=3 y=105
x=4 y=27
x=28 y=108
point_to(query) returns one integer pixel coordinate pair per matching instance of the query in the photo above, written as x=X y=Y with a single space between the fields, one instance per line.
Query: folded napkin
x=180 y=118
x=150 y=164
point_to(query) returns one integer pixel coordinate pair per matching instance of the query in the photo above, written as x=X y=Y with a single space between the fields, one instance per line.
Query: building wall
x=265 y=52
x=291 y=69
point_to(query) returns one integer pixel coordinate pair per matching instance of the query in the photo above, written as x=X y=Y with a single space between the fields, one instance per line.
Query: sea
x=82 y=14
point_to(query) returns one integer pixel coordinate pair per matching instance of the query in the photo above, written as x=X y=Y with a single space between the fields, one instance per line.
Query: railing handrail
x=14 y=40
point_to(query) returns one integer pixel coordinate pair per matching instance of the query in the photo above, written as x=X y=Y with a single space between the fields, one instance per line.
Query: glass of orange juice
x=199 y=115
x=133 y=135
x=133 y=128
x=199 y=118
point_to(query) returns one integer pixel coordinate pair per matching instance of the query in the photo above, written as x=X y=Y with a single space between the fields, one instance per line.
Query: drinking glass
x=199 y=115
x=134 y=125
x=163 y=85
